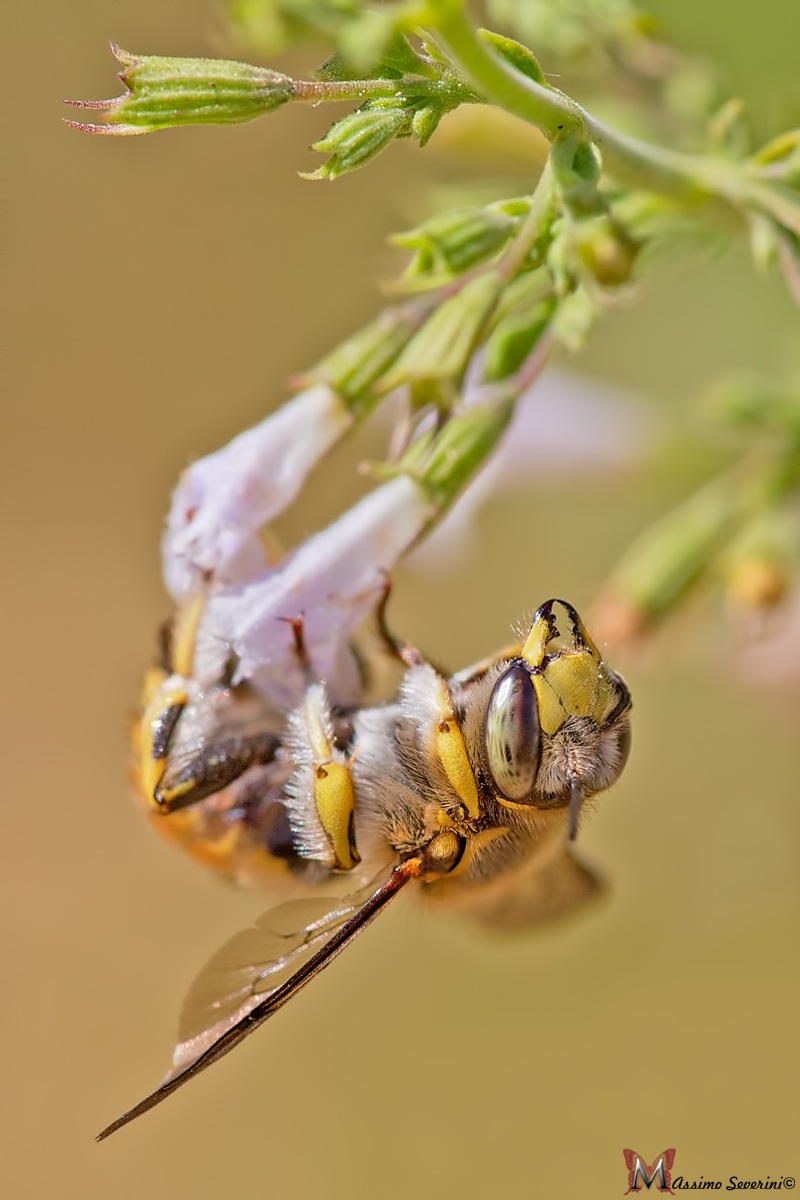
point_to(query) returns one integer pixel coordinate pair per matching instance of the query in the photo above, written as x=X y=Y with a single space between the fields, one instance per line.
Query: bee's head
x=557 y=725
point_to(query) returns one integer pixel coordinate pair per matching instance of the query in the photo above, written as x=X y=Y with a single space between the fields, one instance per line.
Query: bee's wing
x=549 y=883
x=260 y=969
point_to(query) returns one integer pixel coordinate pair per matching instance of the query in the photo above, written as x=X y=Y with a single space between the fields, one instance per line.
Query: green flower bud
x=759 y=564
x=573 y=319
x=605 y=250
x=425 y=122
x=354 y=366
x=444 y=463
x=452 y=242
x=360 y=136
x=441 y=350
x=513 y=339
x=672 y=555
x=165 y=92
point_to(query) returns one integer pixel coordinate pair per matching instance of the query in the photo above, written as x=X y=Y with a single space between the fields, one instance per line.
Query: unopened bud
x=759 y=563
x=359 y=137
x=360 y=361
x=513 y=339
x=425 y=122
x=670 y=556
x=444 y=463
x=605 y=249
x=441 y=350
x=452 y=242
x=165 y=92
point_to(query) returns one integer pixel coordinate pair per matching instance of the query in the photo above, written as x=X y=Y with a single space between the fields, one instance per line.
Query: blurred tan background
x=158 y=291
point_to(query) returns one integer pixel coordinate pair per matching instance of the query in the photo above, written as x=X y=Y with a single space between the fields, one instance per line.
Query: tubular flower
x=222 y=501
x=329 y=584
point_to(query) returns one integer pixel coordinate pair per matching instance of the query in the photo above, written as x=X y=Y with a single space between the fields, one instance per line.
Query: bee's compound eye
x=512 y=735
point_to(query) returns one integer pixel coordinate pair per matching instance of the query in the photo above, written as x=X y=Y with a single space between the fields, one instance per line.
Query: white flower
x=223 y=500
x=330 y=583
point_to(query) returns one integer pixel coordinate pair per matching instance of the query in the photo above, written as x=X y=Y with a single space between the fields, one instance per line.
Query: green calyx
x=166 y=92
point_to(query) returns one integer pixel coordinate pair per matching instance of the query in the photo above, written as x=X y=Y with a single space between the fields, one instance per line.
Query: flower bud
x=441 y=350
x=573 y=318
x=513 y=339
x=425 y=122
x=606 y=251
x=165 y=92
x=360 y=361
x=759 y=563
x=452 y=242
x=359 y=137
x=444 y=463
x=670 y=556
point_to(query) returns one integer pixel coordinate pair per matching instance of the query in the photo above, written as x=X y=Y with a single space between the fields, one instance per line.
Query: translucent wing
x=259 y=970
x=549 y=883
x=253 y=965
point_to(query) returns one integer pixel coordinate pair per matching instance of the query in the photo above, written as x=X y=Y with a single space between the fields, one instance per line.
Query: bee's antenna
x=574 y=810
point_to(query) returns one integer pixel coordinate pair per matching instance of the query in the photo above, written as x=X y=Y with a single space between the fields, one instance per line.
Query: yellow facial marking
x=573 y=685
x=452 y=754
x=567 y=669
x=335 y=804
x=533 y=649
x=451 y=751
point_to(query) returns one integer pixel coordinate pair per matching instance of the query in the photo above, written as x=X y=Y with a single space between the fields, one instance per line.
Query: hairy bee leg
x=393 y=645
x=216 y=766
x=320 y=794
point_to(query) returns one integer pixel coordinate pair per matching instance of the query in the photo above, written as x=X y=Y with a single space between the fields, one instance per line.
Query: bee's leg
x=213 y=768
x=174 y=776
x=319 y=793
x=393 y=646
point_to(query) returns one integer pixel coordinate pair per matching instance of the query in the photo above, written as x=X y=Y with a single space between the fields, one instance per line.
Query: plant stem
x=452 y=88
x=633 y=162
x=314 y=90
x=531 y=226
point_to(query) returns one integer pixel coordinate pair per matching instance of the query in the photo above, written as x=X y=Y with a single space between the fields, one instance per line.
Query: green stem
x=629 y=160
x=531 y=227
x=314 y=90
x=451 y=89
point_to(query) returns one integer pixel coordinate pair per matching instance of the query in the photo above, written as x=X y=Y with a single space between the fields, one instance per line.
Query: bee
x=468 y=788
